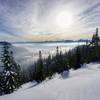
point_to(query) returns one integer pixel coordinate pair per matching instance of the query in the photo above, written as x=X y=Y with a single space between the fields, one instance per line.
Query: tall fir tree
x=11 y=73
x=39 y=69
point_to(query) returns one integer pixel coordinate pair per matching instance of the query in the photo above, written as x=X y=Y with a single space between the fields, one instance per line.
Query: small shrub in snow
x=65 y=74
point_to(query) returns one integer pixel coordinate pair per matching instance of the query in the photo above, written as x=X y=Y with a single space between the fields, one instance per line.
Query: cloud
x=29 y=18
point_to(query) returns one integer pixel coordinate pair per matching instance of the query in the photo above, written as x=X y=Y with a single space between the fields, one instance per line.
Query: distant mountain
x=4 y=43
x=83 y=40
x=52 y=41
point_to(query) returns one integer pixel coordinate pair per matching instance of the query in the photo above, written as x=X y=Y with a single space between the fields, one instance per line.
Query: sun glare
x=64 y=19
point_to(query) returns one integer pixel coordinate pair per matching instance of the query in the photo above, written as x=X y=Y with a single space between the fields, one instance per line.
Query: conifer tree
x=39 y=76
x=78 y=58
x=11 y=73
x=48 y=70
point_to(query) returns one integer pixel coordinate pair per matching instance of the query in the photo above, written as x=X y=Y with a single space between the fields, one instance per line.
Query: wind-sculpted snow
x=81 y=84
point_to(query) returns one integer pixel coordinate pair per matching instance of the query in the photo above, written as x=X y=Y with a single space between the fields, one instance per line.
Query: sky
x=40 y=20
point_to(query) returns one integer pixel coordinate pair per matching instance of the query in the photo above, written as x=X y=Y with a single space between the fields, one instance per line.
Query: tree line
x=73 y=59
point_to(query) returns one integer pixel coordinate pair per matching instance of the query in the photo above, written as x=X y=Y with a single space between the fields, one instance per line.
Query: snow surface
x=82 y=84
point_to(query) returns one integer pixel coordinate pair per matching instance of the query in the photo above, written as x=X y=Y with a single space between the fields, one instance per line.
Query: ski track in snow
x=82 y=84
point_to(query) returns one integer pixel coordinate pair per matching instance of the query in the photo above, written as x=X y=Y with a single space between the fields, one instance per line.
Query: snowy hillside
x=82 y=84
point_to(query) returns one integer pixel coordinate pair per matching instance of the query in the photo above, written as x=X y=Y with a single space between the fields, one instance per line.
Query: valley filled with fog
x=26 y=54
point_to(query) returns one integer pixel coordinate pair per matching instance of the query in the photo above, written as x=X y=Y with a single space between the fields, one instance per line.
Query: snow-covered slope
x=82 y=84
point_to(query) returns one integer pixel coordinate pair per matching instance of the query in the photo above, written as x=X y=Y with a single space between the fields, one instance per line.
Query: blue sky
x=37 y=20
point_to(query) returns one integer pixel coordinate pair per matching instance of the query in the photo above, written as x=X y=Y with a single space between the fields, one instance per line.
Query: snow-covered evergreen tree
x=11 y=74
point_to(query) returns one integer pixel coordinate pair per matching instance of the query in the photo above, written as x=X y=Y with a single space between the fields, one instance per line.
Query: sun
x=64 y=19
